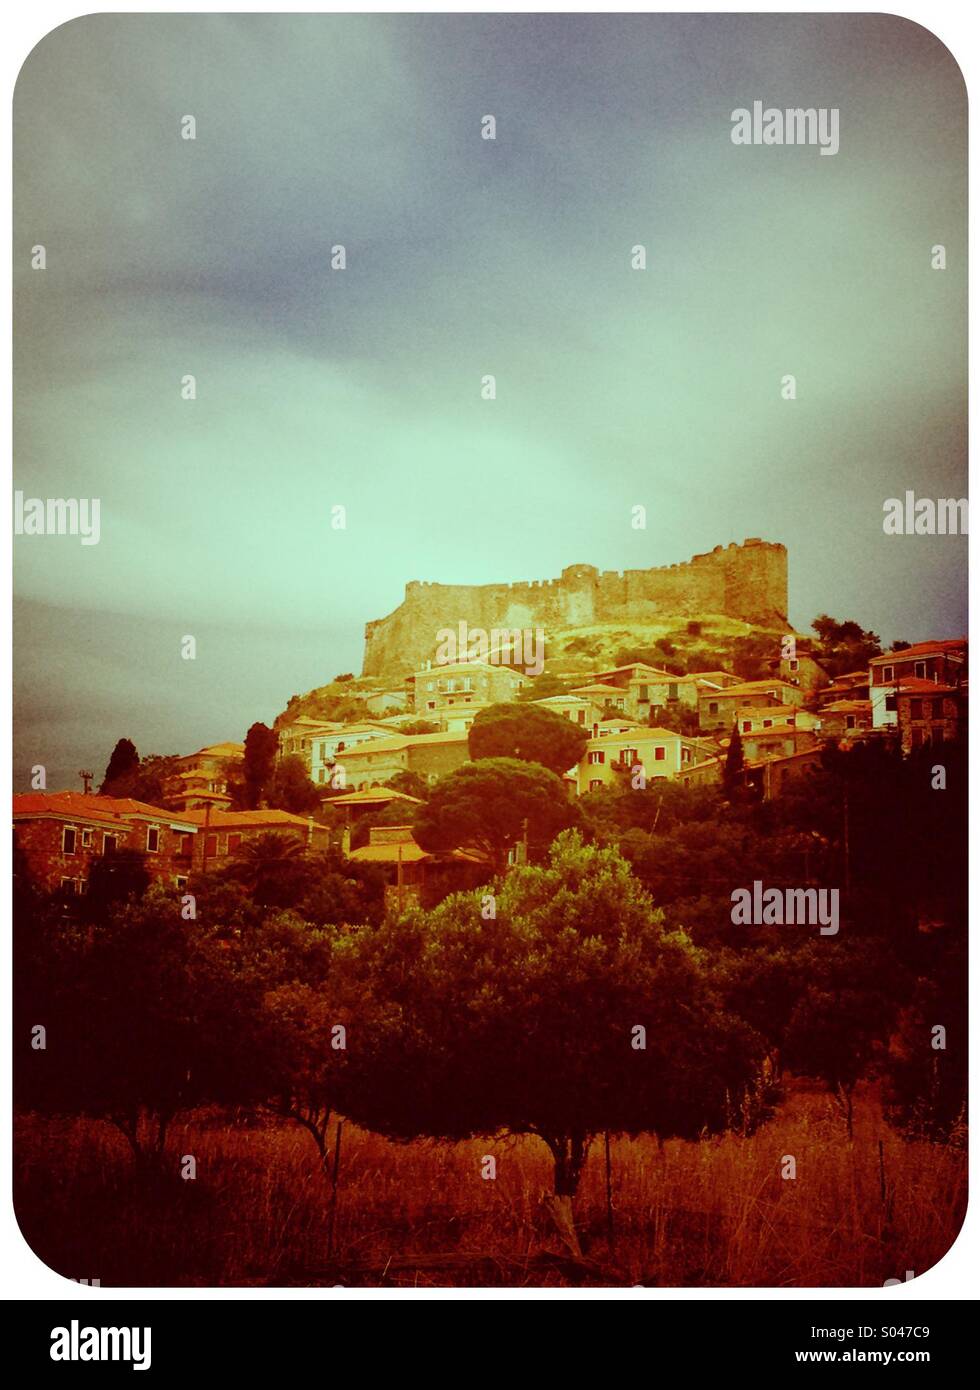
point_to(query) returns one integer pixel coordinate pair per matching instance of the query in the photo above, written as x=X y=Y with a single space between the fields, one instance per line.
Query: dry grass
x=715 y=1213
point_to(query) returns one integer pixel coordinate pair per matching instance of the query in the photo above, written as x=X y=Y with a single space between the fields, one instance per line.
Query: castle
x=747 y=581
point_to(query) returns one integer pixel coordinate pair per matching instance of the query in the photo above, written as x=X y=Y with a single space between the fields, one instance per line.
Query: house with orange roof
x=772 y=776
x=62 y=834
x=612 y=756
x=373 y=763
x=845 y=720
x=223 y=834
x=752 y=719
x=780 y=741
x=852 y=685
x=457 y=683
x=717 y=709
x=203 y=777
x=930 y=714
x=912 y=671
x=330 y=747
x=577 y=708
x=417 y=877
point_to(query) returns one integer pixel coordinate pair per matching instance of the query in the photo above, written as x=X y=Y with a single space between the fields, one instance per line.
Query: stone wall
x=747 y=581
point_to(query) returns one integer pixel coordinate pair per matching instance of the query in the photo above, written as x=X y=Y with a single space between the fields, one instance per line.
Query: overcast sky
x=361 y=387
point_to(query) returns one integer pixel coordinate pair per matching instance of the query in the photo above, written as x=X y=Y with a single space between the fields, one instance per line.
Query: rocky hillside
x=707 y=643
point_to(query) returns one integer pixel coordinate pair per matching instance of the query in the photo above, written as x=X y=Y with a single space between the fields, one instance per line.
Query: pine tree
x=734 y=764
x=124 y=760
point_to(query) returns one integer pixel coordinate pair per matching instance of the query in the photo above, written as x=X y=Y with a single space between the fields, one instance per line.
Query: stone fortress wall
x=747 y=581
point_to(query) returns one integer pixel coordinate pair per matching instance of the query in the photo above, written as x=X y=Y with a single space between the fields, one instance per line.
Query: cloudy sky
x=465 y=257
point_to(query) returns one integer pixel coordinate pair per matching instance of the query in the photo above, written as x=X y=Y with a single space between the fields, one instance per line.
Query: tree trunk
x=569 y=1152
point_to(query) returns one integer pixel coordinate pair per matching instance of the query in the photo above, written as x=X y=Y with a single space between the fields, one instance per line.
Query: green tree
x=529 y=733
x=123 y=761
x=151 y=779
x=411 y=783
x=112 y=879
x=574 y=1010
x=272 y=869
x=261 y=747
x=290 y=789
x=844 y=646
x=734 y=774
x=144 y=1015
x=487 y=805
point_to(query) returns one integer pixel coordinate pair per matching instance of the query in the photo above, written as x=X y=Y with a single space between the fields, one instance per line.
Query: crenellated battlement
x=746 y=581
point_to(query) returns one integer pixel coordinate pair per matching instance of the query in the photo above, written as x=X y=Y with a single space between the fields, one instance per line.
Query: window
x=713 y=707
x=68 y=837
x=86 y=839
x=430 y=686
x=887 y=675
x=891 y=703
x=467 y=682
x=766 y=724
x=180 y=881
x=672 y=691
x=430 y=704
x=920 y=670
x=597 y=757
x=595 y=784
x=581 y=716
x=849 y=721
x=211 y=845
x=937 y=709
x=644 y=695
x=794 y=663
x=620 y=703
x=109 y=843
x=659 y=754
x=792 y=721
x=153 y=839
x=629 y=756
x=746 y=725
x=233 y=842
x=184 y=846
x=915 y=709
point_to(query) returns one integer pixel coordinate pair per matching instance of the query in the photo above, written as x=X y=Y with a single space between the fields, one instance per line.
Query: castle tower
x=578 y=588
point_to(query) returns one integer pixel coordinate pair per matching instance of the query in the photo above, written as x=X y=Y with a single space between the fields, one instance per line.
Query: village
x=642 y=725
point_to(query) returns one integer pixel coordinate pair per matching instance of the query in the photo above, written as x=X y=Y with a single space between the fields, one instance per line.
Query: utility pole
x=86 y=783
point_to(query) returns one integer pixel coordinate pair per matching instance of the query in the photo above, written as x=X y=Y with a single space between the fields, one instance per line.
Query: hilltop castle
x=747 y=581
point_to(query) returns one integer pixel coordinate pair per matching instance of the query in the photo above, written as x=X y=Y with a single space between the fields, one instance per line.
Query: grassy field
x=715 y=1213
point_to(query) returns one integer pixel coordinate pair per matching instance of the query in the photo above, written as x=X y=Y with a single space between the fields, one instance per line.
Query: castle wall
x=747 y=581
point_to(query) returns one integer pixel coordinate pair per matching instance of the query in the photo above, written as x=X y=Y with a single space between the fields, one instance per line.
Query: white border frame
x=22 y=1274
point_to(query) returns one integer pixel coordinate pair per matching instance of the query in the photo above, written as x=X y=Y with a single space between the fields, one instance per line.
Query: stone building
x=430 y=755
x=912 y=670
x=718 y=709
x=223 y=834
x=436 y=687
x=62 y=834
x=415 y=877
x=930 y=714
